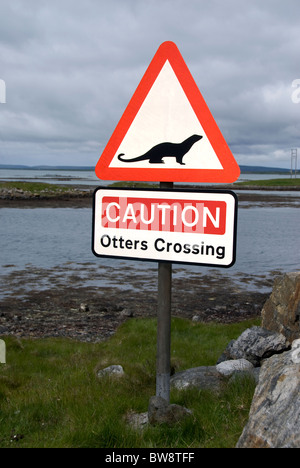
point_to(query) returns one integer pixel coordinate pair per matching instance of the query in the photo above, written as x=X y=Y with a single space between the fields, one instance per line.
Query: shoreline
x=77 y=196
x=64 y=302
x=74 y=309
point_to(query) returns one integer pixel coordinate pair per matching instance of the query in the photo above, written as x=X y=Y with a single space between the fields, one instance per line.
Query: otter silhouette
x=165 y=150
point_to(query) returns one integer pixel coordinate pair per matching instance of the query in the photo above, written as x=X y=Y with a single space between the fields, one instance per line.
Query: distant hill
x=11 y=166
x=263 y=170
x=244 y=169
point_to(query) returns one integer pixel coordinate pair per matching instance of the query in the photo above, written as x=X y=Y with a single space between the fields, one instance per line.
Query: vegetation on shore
x=255 y=183
x=270 y=183
x=50 y=396
x=33 y=187
x=42 y=188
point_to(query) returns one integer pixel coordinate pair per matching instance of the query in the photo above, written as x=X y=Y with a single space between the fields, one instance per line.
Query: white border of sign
x=156 y=245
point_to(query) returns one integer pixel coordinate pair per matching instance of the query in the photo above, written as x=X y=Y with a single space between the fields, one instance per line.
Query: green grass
x=50 y=395
x=138 y=185
x=32 y=187
x=271 y=183
x=257 y=183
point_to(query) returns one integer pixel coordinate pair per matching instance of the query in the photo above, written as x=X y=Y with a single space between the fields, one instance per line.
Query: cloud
x=70 y=69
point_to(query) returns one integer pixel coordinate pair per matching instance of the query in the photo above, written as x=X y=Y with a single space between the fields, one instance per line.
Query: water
x=51 y=176
x=37 y=240
x=87 y=177
x=46 y=247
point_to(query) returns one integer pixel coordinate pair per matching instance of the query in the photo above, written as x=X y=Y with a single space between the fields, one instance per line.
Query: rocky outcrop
x=274 y=419
x=281 y=312
x=254 y=345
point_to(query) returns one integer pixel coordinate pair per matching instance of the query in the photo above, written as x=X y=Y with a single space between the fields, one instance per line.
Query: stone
x=281 y=312
x=114 y=370
x=296 y=351
x=161 y=412
x=137 y=421
x=227 y=368
x=196 y=318
x=203 y=378
x=254 y=345
x=274 y=418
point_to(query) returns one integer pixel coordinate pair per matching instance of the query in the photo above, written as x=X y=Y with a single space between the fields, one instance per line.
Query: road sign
x=167 y=132
x=171 y=226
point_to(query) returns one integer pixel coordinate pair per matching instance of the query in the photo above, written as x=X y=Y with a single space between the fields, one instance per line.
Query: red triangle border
x=230 y=172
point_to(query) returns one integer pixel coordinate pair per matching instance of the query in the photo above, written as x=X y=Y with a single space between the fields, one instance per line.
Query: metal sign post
x=163 y=366
x=163 y=361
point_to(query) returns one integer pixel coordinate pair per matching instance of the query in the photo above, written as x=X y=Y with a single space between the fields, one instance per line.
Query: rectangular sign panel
x=163 y=225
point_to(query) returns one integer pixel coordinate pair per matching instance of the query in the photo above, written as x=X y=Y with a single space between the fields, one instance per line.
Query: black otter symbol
x=165 y=150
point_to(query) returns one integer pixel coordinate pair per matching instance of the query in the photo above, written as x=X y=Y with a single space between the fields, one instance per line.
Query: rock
x=274 y=418
x=281 y=312
x=227 y=368
x=296 y=351
x=124 y=313
x=255 y=344
x=203 y=378
x=137 y=420
x=115 y=370
x=160 y=412
x=196 y=318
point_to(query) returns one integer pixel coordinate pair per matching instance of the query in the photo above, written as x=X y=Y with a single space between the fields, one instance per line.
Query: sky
x=70 y=68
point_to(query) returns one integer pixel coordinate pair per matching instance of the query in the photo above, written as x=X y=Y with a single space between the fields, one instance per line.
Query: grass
x=32 y=187
x=50 y=396
x=256 y=183
x=38 y=187
x=271 y=183
x=138 y=185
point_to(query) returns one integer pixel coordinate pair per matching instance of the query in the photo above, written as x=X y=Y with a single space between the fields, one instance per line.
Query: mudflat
x=91 y=313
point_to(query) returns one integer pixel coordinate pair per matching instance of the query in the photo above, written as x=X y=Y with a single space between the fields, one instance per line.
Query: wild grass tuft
x=51 y=397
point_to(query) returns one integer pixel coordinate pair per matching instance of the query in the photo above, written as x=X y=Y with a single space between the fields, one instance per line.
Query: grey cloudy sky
x=71 y=67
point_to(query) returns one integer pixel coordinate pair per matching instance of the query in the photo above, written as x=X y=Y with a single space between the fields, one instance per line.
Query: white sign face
x=168 y=113
x=161 y=225
x=167 y=132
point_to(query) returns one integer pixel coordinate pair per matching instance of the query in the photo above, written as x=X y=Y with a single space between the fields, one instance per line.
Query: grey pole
x=163 y=366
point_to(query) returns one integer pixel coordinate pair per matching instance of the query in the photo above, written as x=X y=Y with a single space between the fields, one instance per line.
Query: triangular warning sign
x=167 y=133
